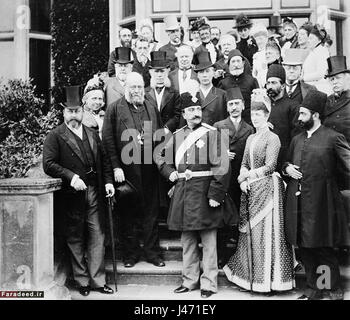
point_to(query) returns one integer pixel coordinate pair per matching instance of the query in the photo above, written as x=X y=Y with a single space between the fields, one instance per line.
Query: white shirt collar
x=206 y=91
x=312 y=131
x=78 y=132
x=236 y=120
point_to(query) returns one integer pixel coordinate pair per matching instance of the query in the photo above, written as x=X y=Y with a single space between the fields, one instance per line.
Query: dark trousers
x=313 y=258
x=138 y=220
x=85 y=240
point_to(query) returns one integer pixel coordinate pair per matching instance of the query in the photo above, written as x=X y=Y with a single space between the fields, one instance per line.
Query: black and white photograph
x=174 y=154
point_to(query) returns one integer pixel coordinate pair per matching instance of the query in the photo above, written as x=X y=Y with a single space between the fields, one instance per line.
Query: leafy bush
x=80 y=41
x=23 y=127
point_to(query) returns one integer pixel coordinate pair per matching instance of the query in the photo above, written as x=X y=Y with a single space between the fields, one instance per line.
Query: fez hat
x=202 y=61
x=158 y=60
x=294 y=57
x=234 y=53
x=315 y=101
x=73 y=97
x=277 y=71
x=336 y=65
x=234 y=94
x=123 y=55
x=242 y=21
x=187 y=100
x=171 y=23
x=275 y=22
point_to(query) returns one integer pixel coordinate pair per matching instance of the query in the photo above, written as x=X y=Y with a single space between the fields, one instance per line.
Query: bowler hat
x=126 y=190
x=242 y=21
x=336 y=65
x=234 y=94
x=294 y=57
x=171 y=23
x=202 y=61
x=275 y=22
x=276 y=71
x=187 y=100
x=315 y=101
x=158 y=60
x=73 y=96
x=123 y=55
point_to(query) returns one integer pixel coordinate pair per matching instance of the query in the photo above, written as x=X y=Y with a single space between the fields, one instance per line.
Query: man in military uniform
x=199 y=203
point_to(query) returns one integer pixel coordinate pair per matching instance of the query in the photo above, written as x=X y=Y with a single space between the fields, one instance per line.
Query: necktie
x=159 y=90
x=184 y=75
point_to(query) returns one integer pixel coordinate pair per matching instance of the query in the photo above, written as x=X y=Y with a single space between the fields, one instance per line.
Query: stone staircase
x=146 y=274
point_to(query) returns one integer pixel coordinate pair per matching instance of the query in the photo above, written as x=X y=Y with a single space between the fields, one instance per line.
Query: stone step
x=144 y=273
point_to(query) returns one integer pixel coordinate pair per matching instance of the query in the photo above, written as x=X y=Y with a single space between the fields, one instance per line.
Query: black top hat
x=123 y=55
x=73 y=97
x=187 y=100
x=275 y=22
x=315 y=101
x=234 y=94
x=336 y=65
x=202 y=61
x=159 y=60
x=242 y=21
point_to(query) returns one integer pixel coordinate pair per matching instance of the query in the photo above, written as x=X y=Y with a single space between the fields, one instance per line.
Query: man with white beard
x=123 y=66
x=238 y=78
x=127 y=134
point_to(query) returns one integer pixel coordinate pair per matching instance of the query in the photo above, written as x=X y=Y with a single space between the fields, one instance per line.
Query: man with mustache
x=74 y=153
x=315 y=215
x=142 y=61
x=283 y=113
x=238 y=78
x=127 y=133
x=172 y=27
x=201 y=173
x=125 y=38
x=115 y=86
x=239 y=131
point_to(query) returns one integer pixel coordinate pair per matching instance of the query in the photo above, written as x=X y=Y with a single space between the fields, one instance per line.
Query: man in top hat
x=128 y=128
x=142 y=62
x=161 y=95
x=180 y=76
x=125 y=38
x=207 y=44
x=115 y=86
x=274 y=28
x=247 y=45
x=239 y=131
x=74 y=153
x=201 y=173
x=315 y=217
x=212 y=99
x=337 y=111
x=238 y=78
x=172 y=27
x=283 y=114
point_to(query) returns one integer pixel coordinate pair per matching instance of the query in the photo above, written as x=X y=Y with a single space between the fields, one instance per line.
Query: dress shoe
x=206 y=293
x=181 y=289
x=129 y=263
x=158 y=262
x=105 y=289
x=84 y=290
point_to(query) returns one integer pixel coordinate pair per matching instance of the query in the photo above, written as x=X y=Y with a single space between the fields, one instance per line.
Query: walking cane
x=250 y=246
x=112 y=240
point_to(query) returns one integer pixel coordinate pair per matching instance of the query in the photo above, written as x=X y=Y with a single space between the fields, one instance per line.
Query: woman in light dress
x=263 y=261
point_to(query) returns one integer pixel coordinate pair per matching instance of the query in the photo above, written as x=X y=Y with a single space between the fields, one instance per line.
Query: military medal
x=200 y=144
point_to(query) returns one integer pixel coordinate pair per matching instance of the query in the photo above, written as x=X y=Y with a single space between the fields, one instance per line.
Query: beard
x=74 y=123
x=273 y=93
x=237 y=72
x=126 y=44
x=306 y=125
x=137 y=100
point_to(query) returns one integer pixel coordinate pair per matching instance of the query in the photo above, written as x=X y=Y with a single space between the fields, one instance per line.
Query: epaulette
x=208 y=126
x=180 y=129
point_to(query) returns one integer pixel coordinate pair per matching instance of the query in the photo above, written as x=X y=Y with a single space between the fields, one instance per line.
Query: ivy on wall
x=80 y=41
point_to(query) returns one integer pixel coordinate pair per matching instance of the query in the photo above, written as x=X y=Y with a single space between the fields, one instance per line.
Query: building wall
x=222 y=12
